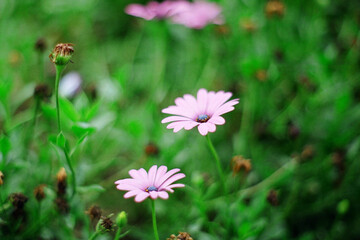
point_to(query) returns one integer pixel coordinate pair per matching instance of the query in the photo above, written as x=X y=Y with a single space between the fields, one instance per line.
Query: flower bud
x=94 y=212
x=42 y=92
x=151 y=149
x=39 y=192
x=272 y=198
x=62 y=53
x=106 y=224
x=61 y=182
x=181 y=236
x=121 y=219
x=274 y=8
x=239 y=163
x=1 y=178
x=40 y=45
x=18 y=200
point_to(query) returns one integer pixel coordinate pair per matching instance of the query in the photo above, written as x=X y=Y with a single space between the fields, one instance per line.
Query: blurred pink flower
x=153 y=184
x=199 y=14
x=204 y=111
x=156 y=10
x=190 y=14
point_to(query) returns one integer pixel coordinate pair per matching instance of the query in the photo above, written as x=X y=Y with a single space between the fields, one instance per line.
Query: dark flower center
x=152 y=188
x=202 y=118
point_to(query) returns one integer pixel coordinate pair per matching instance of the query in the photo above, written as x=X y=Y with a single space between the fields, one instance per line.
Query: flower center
x=152 y=188
x=202 y=118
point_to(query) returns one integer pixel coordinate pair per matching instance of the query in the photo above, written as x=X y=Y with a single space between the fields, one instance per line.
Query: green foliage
x=297 y=77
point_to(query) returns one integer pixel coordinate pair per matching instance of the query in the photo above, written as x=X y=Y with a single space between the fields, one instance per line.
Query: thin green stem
x=59 y=70
x=72 y=172
x=95 y=234
x=218 y=163
x=118 y=232
x=154 y=220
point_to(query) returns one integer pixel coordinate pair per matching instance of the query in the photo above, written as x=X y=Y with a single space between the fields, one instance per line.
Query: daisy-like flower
x=155 y=183
x=204 y=111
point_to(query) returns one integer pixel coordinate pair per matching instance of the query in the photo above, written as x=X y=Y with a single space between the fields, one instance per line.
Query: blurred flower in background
x=204 y=111
x=70 y=84
x=190 y=14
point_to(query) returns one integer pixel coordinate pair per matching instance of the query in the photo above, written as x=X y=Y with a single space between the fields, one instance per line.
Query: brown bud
x=62 y=53
x=42 y=92
x=1 y=178
x=239 y=163
x=40 y=45
x=222 y=30
x=272 y=198
x=18 y=200
x=94 y=212
x=91 y=92
x=151 y=149
x=62 y=205
x=261 y=75
x=39 y=192
x=293 y=130
x=308 y=152
x=248 y=25
x=61 y=182
x=274 y=8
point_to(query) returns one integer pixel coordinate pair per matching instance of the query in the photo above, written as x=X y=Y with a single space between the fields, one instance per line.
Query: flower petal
x=203 y=129
x=132 y=193
x=202 y=100
x=174 y=118
x=163 y=195
x=153 y=194
x=218 y=120
x=141 y=196
x=172 y=179
x=161 y=180
x=152 y=175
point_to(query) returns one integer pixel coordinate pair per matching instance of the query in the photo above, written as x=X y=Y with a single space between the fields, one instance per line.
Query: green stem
x=73 y=181
x=59 y=70
x=118 y=232
x=95 y=234
x=218 y=163
x=154 y=220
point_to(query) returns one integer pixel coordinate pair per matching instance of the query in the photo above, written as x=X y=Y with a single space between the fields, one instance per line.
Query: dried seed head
x=18 y=200
x=239 y=163
x=1 y=178
x=62 y=205
x=272 y=198
x=181 y=236
x=151 y=149
x=40 y=45
x=62 y=53
x=61 y=182
x=94 y=212
x=274 y=8
x=39 y=192
x=107 y=224
x=42 y=92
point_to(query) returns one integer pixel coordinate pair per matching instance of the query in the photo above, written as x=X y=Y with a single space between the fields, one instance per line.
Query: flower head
x=204 y=111
x=199 y=14
x=62 y=53
x=156 y=10
x=190 y=14
x=155 y=183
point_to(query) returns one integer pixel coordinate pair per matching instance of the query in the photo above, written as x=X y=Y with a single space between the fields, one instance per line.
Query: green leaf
x=5 y=145
x=68 y=108
x=80 y=129
x=60 y=140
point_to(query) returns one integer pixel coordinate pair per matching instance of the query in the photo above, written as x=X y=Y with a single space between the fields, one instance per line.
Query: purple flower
x=199 y=14
x=204 y=111
x=153 y=184
x=156 y=10
x=190 y=14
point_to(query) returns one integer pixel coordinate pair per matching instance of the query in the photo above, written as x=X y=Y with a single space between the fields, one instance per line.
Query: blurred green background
x=295 y=70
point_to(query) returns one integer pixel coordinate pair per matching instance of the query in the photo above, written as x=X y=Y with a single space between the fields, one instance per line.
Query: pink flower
x=153 y=184
x=155 y=9
x=198 y=15
x=204 y=111
x=190 y=14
